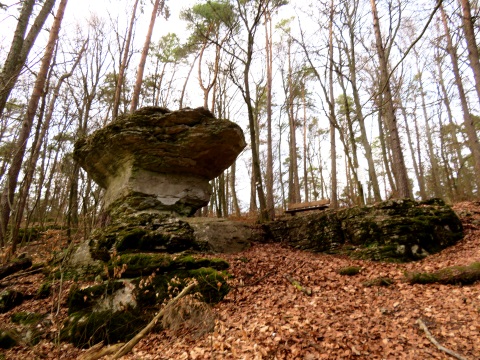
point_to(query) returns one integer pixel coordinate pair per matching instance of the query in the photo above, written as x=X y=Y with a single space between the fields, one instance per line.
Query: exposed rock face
x=155 y=166
x=164 y=159
x=394 y=230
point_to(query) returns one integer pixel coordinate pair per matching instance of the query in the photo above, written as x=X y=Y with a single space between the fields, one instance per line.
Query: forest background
x=355 y=101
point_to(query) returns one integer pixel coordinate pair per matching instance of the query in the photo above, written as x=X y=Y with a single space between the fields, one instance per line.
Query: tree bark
x=398 y=166
x=352 y=66
x=473 y=53
x=21 y=46
x=8 y=193
x=143 y=58
x=331 y=103
x=472 y=136
x=123 y=64
x=269 y=165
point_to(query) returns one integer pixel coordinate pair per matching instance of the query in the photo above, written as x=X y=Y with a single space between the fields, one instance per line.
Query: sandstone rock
x=166 y=156
x=221 y=235
x=394 y=230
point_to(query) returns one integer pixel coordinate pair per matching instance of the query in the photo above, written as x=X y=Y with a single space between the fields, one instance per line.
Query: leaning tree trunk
x=473 y=53
x=472 y=136
x=123 y=64
x=23 y=196
x=20 y=147
x=143 y=58
x=398 y=166
x=21 y=46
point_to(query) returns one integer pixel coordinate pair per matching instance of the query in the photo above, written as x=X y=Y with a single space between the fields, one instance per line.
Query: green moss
x=380 y=281
x=455 y=275
x=7 y=339
x=349 y=270
x=26 y=318
x=81 y=299
x=141 y=264
x=10 y=299
x=86 y=328
x=131 y=239
x=212 y=284
x=44 y=290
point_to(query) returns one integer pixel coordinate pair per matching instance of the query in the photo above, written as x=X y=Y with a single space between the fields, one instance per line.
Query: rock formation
x=393 y=230
x=155 y=165
x=159 y=160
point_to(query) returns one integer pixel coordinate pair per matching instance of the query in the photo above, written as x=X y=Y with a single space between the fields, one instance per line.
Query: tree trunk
x=431 y=152
x=398 y=166
x=472 y=46
x=23 y=195
x=233 y=190
x=331 y=103
x=143 y=58
x=8 y=193
x=269 y=165
x=123 y=64
x=21 y=46
x=467 y=118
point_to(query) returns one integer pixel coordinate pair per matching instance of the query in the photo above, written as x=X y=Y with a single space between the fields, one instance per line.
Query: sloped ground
x=266 y=317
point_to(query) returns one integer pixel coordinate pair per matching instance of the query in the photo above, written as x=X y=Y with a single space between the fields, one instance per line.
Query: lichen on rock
x=393 y=230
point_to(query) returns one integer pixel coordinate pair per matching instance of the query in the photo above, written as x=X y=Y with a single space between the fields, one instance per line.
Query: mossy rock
x=349 y=270
x=8 y=339
x=397 y=230
x=212 y=285
x=10 y=299
x=143 y=232
x=86 y=328
x=44 y=291
x=86 y=298
x=26 y=318
x=142 y=264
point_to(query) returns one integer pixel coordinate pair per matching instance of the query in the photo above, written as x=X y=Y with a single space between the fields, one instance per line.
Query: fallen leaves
x=265 y=317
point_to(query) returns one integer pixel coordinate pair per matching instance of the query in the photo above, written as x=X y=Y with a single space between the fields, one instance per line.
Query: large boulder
x=159 y=159
x=393 y=230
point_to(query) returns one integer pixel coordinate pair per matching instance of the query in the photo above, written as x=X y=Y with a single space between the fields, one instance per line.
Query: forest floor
x=265 y=317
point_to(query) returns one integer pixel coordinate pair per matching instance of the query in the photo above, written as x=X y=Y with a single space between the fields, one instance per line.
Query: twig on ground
x=436 y=343
x=134 y=341
x=96 y=351
x=305 y=290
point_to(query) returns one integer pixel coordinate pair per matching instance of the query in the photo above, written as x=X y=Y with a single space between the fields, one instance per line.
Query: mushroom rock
x=159 y=160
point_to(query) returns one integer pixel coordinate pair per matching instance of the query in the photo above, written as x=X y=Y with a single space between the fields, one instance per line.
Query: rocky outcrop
x=393 y=230
x=161 y=160
x=155 y=165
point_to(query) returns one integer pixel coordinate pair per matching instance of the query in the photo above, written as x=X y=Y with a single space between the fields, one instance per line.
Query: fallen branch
x=436 y=343
x=15 y=266
x=305 y=290
x=134 y=341
x=97 y=351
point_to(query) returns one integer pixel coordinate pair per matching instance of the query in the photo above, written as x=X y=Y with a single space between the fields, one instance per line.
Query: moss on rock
x=86 y=328
x=8 y=339
x=394 y=230
x=454 y=275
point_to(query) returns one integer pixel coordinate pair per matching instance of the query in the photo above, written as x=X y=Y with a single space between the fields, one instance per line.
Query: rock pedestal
x=155 y=165
x=159 y=160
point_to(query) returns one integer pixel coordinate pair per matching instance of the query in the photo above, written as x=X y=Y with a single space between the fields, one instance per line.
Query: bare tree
x=123 y=63
x=21 y=46
x=159 y=4
x=8 y=192
x=398 y=165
